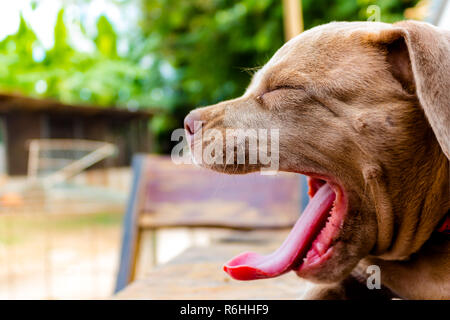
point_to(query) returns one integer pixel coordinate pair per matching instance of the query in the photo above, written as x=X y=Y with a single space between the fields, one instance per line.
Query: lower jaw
x=314 y=265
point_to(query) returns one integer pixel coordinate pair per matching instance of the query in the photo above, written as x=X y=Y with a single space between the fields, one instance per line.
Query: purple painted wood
x=188 y=194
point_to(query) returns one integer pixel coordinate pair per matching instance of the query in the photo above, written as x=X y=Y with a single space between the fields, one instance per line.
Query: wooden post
x=293 y=18
x=33 y=159
x=131 y=232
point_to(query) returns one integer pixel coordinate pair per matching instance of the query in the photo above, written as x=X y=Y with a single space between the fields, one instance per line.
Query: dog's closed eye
x=286 y=87
x=272 y=97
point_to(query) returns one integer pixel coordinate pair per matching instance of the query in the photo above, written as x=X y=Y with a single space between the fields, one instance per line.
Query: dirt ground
x=74 y=256
x=59 y=257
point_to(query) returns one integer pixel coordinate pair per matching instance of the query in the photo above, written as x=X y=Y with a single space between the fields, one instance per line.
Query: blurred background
x=85 y=85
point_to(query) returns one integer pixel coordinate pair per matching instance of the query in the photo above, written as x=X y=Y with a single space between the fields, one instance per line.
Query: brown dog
x=363 y=108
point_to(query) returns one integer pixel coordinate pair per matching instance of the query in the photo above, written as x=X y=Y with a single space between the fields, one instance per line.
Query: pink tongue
x=251 y=266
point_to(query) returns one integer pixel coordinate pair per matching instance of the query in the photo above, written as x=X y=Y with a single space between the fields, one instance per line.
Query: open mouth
x=308 y=245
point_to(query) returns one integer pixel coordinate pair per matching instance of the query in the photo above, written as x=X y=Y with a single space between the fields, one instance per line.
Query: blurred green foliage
x=185 y=54
x=101 y=78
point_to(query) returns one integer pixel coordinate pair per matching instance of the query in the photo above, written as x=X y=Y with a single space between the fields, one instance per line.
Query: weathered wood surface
x=197 y=274
x=189 y=196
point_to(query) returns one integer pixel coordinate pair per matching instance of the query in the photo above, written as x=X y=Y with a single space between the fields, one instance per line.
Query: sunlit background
x=139 y=66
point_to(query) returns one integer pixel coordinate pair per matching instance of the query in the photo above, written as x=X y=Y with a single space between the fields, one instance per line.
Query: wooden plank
x=188 y=196
x=243 y=220
x=197 y=274
x=14 y=102
x=130 y=229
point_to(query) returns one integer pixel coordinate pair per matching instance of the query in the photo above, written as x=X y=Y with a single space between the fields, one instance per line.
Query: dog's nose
x=189 y=122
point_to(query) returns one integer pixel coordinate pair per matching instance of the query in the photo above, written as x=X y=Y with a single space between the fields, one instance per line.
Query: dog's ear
x=419 y=57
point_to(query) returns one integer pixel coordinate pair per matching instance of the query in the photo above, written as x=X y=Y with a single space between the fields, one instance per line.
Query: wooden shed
x=24 y=118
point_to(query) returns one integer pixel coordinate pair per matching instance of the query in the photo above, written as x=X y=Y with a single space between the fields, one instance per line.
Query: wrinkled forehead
x=315 y=52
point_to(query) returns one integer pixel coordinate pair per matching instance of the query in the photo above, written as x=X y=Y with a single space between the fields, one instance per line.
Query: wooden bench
x=196 y=274
x=165 y=195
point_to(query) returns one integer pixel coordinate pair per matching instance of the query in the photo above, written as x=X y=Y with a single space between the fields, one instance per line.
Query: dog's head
x=362 y=108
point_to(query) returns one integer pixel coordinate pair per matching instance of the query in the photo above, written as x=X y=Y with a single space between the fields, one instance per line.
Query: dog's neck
x=420 y=206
